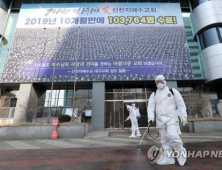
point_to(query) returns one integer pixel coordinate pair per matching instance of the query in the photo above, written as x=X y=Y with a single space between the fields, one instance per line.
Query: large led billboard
x=98 y=42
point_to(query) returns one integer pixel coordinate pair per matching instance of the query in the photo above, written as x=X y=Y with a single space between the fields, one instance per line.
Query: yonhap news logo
x=155 y=153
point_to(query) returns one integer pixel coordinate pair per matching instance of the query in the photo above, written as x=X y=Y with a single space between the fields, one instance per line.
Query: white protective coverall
x=134 y=122
x=137 y=110
x=165 y=105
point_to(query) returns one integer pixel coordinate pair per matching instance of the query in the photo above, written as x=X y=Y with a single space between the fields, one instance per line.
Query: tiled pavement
x=118 y=140
x=110 y=153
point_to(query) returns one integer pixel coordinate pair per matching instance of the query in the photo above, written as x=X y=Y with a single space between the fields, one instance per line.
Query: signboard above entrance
x=98 y=42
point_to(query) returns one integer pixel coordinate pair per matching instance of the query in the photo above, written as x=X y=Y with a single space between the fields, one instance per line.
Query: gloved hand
x=150 y=120
x=126 y=120
x=183 y=121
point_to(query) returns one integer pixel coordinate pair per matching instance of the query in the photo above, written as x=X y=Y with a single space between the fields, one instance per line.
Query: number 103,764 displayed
x=131 y=20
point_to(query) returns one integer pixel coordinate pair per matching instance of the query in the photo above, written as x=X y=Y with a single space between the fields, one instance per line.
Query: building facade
x=188 y=54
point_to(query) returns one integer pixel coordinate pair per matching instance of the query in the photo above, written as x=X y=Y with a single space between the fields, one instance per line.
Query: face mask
x=160 y=86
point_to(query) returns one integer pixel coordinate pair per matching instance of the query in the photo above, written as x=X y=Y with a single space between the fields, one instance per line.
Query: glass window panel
x=4 y=112
x=56 y=112
x=149 y=92
x=134 y=96
x=113 y=90
x=47 y=102
x=69 y=93
x=48 y=1
x=61 y=102
x=90 y=95
x=38 y=1
x=220 y=31
x=111 y=0
x=140 y=96
x=184 y=4
x=118 y=115
x=109 y=115
x=82 y=1
x=59 y=1
x=45 y=112
x=17 y=4
x=138 y=90
x=129 y=96
x=27 y=1
x=55 y=93
x=54 y=102
x=4 y=5
x=69 y=103
x=48 y=94
x=113 y=96
x=39 y=113
x=163 y=0
x=12 y=112
x=62 y=93
x=211 y=37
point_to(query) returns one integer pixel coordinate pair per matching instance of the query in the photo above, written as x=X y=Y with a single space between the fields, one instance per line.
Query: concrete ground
x=104 y=152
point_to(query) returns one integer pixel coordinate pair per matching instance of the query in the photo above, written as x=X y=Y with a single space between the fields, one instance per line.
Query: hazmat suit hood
x=161 y=79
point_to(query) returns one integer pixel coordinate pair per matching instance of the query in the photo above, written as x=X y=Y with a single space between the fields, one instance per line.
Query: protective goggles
x=159 y=81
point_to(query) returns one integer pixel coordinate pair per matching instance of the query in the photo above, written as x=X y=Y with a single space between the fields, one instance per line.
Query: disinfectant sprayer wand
x=138 y=149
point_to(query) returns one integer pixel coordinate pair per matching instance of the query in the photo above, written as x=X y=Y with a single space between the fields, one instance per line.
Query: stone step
x=127 y=132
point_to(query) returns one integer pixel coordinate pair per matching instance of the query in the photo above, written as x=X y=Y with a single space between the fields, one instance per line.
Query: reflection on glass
x=113 y=96
x=118 y=115
x=129 y=96
x=208 y=38
x=12 y=112
x=136 y=90
x=4 y=112
x=220 y=31
x=211 y=37
x=114 y=90
x=109 y=115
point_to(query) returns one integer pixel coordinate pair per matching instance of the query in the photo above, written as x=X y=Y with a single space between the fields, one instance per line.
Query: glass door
x=114 y=114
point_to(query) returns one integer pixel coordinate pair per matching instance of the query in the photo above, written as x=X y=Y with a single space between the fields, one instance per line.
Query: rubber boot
x=165 y=160
x=138 y=133
x=133 y=134
x=182 y=157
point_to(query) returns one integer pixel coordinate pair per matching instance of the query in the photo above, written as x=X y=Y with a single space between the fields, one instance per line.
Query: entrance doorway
x=116 y=113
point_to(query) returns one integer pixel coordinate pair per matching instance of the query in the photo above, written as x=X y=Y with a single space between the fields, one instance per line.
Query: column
x=98 y=105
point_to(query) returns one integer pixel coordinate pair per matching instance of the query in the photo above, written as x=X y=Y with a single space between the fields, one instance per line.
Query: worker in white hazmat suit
x=137 y=110
x=166 y=106
x=134 y=122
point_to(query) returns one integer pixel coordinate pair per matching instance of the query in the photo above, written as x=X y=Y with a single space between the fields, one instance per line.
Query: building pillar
x=98 y=105
x=26 y=105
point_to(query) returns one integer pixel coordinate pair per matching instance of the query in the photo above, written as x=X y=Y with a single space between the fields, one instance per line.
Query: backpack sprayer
x=147 y=130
